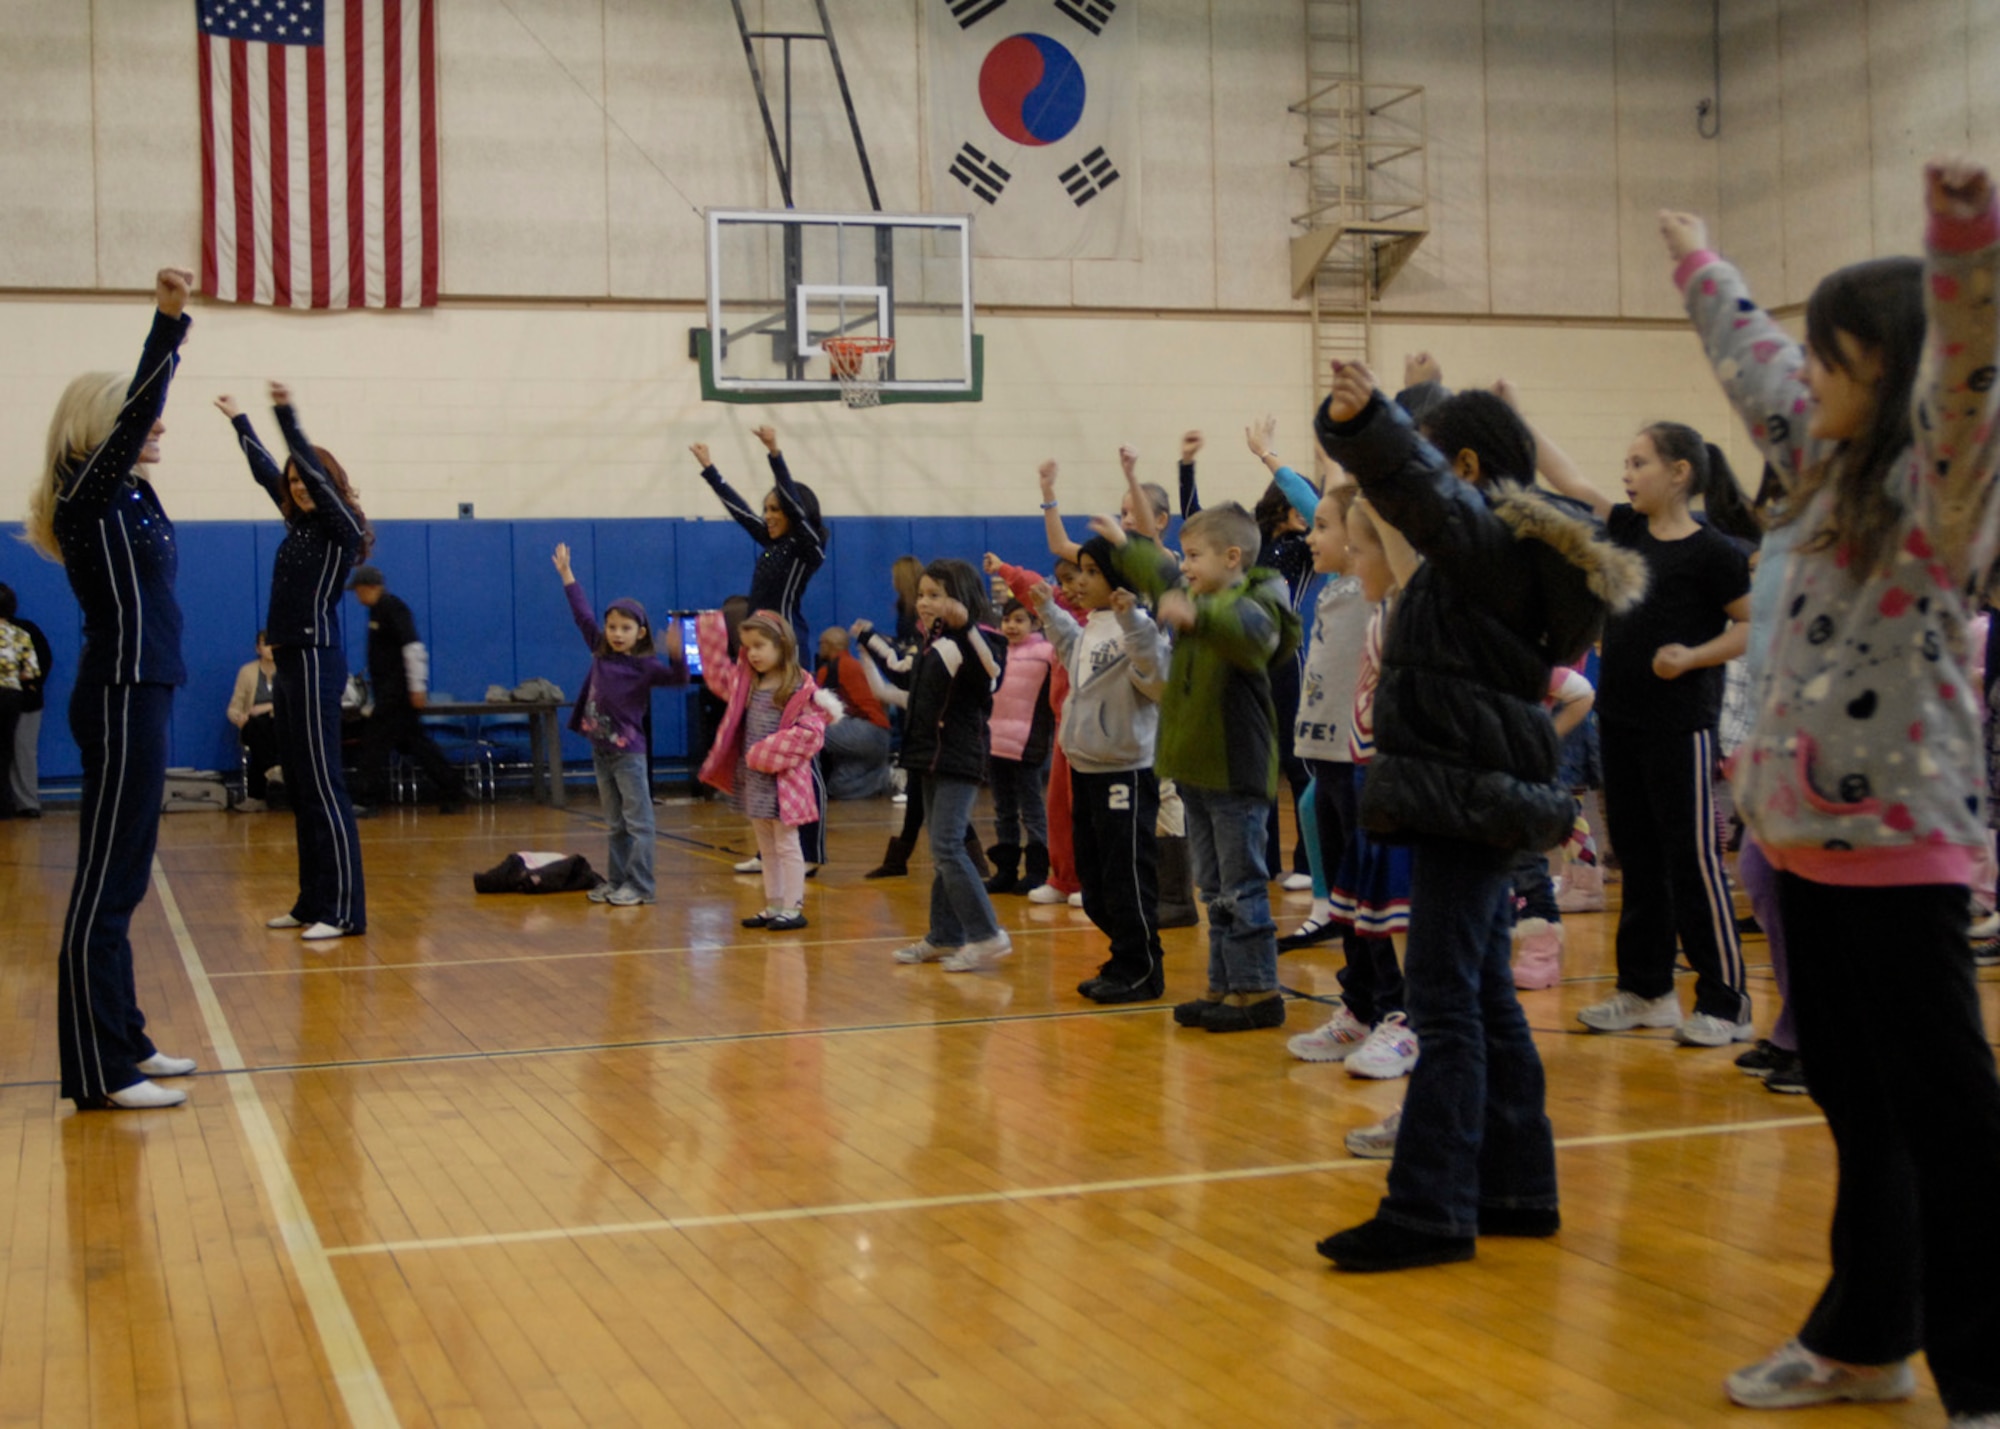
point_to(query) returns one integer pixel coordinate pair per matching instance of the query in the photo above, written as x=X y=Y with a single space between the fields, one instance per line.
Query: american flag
x=319 y=182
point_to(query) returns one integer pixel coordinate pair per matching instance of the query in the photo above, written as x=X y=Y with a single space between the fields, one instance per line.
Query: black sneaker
x=1380 y=1245
x=1110 y=991
x=1195 y=1013
x=1246 y=1016
x=1529 y=1222
x=1759 y=1060
x=1788 y=1078
x=789 y=922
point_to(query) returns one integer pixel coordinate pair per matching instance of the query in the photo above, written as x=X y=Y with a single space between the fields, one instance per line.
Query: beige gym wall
x=554 y=378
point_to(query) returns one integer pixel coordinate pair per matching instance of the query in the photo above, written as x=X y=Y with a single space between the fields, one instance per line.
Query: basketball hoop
x=857 y=366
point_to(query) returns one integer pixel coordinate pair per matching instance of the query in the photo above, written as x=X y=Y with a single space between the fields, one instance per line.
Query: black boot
x=1176 y=908
x=1037 y=871
x=1006 y=869
x=979 y=864
x=895 y=862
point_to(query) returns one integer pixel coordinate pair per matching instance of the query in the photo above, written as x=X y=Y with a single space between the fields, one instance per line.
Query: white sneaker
x=283 y=920
x=1076 y=900
x=899 y=797
x=144 y=1096
x=922 y=951
x=1794 y=1377
x=1297 y=883
x=1985 y=924
x=1377 y=1142
x=752 y=864
x=982 y=954
x=1043 y=893
x=1389 y=1052
x=1332 y=1041
x=1703 y=1029
x=161 y=1065
x=1622 y=1011
x=321 y=932
x=602 y=893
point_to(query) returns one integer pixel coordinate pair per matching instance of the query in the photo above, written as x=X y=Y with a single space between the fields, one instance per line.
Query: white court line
x=446 y=964
x=361 y=1390
x=989 y=1198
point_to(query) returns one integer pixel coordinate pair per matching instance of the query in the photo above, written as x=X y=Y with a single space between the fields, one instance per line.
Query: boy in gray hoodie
x=1109 y=727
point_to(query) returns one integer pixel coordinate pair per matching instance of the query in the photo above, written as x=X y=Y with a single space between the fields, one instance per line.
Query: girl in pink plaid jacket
x=763 y=754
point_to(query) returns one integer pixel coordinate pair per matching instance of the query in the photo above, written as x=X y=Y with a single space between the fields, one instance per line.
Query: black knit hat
x=1105 y=557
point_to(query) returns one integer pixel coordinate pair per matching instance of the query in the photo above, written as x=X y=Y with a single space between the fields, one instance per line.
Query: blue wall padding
x=487 y=602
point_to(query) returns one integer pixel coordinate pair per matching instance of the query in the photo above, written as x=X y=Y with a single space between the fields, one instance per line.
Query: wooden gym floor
x=512 y=1160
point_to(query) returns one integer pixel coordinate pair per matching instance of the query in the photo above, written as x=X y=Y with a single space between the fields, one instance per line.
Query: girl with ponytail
x=1659 y=697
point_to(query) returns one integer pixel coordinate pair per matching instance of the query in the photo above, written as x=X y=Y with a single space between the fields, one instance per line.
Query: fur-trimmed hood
x=1614 y=575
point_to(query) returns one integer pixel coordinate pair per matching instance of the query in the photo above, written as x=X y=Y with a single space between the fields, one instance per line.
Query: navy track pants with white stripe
x=305 y=698
x=121 y=731
x=1117 y=862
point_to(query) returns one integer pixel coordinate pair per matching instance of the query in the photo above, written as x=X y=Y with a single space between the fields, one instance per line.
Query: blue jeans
x=1475 y=1132
x=856 y=759
x=627 y=795
x=961 y=912
x=1226 y=837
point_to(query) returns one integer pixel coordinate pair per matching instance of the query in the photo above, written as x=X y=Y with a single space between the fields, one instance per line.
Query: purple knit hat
x=625 y=605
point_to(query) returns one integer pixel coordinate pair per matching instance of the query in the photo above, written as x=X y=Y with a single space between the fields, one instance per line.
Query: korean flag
x=1034 y=114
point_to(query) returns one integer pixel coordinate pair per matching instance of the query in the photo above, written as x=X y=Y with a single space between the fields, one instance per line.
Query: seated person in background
x=856 y=756
x=250 y=712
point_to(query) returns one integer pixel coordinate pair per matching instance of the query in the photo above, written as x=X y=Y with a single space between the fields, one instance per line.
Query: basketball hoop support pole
x=781 y=156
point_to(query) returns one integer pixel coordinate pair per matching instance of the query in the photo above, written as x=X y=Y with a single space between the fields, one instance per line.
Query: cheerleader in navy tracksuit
x=97 y=515
x=326 y=535
x=792 y=535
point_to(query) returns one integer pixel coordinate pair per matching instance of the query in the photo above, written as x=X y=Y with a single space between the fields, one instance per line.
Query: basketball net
x=857 y=366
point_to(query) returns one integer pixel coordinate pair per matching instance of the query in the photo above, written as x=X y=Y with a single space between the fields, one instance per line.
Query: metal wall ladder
x=1367 y=205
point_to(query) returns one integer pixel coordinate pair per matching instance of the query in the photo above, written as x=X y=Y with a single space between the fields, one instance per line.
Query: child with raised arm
x=1861 y=779
x=611 y=713
x=1219 y=742
x=1109 y=726
x=1369 y=884
x=947 y=740
x=762 y=757
x=1323 y=722
x=1023 y=729
x=1144 y=509
x=1465 y=771
x=1659 y=695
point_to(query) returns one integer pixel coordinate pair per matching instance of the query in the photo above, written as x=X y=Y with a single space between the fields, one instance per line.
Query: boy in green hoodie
x=1219 y=743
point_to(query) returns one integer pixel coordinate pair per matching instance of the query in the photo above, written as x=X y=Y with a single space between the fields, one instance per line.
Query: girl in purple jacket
x=611 y=713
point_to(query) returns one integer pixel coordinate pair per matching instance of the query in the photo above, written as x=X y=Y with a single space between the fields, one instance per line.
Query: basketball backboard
x=781 y=283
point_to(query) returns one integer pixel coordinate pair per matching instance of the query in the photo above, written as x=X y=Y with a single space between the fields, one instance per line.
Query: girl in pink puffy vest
x=1023 y=731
